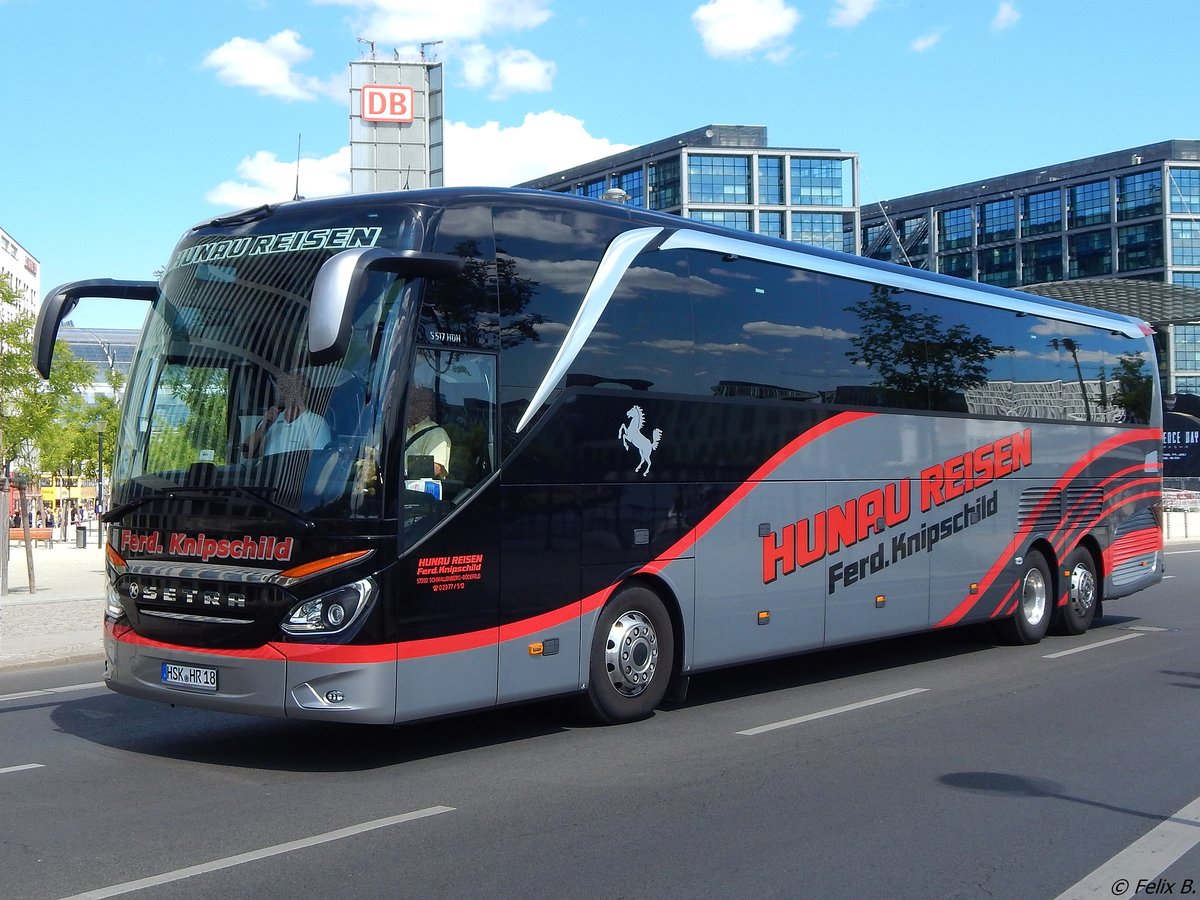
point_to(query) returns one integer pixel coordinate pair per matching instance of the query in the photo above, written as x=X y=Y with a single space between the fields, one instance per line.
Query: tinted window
x=462 y=311
x=758 y=329
x=644 y=338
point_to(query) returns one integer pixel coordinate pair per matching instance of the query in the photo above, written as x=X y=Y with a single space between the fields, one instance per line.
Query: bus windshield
x=223 y=400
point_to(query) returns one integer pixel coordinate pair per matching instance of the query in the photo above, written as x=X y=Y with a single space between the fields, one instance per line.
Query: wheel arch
x=666 y=593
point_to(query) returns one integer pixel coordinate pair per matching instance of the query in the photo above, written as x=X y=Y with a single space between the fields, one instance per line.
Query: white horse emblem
x=631 y=433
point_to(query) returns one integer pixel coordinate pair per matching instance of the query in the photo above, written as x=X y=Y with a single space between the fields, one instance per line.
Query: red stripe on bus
x=956 y=615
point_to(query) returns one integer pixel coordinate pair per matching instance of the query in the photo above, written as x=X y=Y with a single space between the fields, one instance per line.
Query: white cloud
x=1006 y=17
x=544 y=142
x=267 y=66
x=488 y=155
x=520 y=71
x=848 y=13
x=738 y=28
x=509 y=71
x=408 y=21
x=926 y=41
x=267 y=179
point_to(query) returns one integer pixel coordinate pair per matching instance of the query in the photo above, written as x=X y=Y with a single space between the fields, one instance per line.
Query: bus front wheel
x=1031 y=619
x=633 y=650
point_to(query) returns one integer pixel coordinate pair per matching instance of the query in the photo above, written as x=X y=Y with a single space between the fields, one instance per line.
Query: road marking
x=1116 y=640
x=21 y=768
x=1176 y=552
x=1143 y=860
x=254 y=855
x=800 y=720
x=46 y=692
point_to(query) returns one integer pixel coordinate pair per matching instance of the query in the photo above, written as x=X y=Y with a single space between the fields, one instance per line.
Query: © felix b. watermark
x=1158 y=886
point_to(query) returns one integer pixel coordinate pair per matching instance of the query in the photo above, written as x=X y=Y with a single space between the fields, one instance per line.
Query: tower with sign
x=395 y=125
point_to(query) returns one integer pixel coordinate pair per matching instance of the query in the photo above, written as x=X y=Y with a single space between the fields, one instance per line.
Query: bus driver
x=289 y=424
x=424 y=437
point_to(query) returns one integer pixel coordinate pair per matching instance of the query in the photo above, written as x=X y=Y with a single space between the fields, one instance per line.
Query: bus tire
x=633 y=651
x=1035 y=602
x=1083 y=594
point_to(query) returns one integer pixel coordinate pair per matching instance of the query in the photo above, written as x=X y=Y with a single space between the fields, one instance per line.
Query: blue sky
x=127 y=121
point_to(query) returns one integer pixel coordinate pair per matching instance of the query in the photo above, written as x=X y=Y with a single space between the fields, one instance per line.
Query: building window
x=1185 y=243
x=956 y=264
x=770 y=180
x=1090 y=204
x=1140 y=247
x=770 y=224
x=954 y=228
x=729 y=218
x=1041 y=261
x=1041 y=213
x=998 y=266
x=1187 y=349
x=821 y=182
x=1185 y=191
x=633 y=183
x=997 y=221
x=914 y=235
x=820 y=229
x=1089 y=254
x=877 y=241
x=718 y=179
x=1139 y=195
x=1187 y=279
x=664 y=183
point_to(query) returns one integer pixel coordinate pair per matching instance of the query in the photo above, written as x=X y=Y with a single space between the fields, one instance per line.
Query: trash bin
x=80 y=536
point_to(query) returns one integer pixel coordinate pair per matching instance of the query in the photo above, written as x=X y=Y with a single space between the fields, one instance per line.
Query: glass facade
x=1042 y=261
x=664 y=183
x=727 y=218
x=770 y=180
x=820 y=229
x=997 y=221
x=633 y=183
x=1185 y=242
x=954 y=229
x=1139 y=195
x=1140 y=247
x=718 y=179
x=1090 y=204
x=821 y=182
x=770 y=224
x=1089 y=254
x=1041 y=213
x=998 y=265
x=1185 y=191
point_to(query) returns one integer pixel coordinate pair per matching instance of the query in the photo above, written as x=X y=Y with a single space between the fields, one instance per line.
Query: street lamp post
x=99 y=467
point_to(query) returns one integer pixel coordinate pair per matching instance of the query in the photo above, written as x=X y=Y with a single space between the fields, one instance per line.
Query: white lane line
x=253 y=855
x=46 y=692
x=1143 y=860
x=21 y=768
x=825 y=713
x=1116 y=640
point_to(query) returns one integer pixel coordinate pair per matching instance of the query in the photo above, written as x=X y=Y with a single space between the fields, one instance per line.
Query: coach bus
x=542 y=445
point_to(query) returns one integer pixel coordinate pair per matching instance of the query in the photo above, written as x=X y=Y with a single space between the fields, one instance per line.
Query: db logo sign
x=387 y=103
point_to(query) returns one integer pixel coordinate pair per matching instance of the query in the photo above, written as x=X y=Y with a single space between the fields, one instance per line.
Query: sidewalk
x=62 y=620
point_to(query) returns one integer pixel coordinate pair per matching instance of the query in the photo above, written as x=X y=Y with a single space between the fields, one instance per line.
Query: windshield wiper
x=196 y=490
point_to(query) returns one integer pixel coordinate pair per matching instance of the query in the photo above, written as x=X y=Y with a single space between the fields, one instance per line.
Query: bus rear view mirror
x=340 y=281
x=60 y=301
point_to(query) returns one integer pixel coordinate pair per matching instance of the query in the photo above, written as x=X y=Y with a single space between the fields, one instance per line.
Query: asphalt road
x=936 y=766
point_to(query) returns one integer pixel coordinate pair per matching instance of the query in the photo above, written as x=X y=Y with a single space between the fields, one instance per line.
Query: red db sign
x=387 y=103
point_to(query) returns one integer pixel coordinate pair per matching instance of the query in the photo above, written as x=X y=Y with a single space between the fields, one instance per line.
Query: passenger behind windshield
x=288 y=424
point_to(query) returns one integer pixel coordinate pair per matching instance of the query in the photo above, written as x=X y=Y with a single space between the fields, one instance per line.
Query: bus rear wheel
x=1083 y=594
x=633 y=650
x=1031 y=619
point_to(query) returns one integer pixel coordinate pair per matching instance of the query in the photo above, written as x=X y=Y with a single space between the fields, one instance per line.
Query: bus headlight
x=112 y=601
x=332 y=612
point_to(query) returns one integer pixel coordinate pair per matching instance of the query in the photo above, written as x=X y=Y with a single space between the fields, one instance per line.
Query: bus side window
x=464 y=385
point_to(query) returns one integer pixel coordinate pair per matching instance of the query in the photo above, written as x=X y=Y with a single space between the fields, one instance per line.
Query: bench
x=43 y=536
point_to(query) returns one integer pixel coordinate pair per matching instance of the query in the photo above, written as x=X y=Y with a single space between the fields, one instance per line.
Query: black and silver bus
x=658 y=448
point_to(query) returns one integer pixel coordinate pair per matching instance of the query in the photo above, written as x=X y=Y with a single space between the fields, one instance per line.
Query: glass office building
x=727 y=175
x=1071 y=230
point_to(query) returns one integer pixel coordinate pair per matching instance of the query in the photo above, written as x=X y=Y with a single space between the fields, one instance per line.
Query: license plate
x=199 y=677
